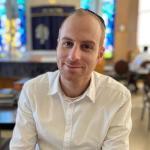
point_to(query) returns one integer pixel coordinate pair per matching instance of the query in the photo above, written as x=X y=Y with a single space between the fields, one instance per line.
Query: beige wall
x=125 y=28
x=76 y=3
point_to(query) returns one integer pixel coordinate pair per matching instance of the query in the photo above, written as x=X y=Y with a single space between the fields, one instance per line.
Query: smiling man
x=74 y=108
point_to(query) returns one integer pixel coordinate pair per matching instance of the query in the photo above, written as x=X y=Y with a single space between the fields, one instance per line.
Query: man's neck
x=74 y=89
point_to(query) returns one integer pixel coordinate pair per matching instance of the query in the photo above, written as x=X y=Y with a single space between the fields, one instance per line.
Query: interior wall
x=76 y=3
x=125 y=29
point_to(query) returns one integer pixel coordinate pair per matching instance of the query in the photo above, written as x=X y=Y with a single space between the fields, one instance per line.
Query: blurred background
x=28 y=38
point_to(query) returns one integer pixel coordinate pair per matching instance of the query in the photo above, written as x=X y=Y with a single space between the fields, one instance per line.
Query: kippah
x=100 y=18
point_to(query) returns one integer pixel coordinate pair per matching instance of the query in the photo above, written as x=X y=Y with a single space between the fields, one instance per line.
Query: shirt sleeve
x=117 y=137
x=24 y=135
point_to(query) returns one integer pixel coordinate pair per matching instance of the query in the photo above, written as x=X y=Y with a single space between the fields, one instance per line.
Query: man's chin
x=73 y=70
x=71 y=75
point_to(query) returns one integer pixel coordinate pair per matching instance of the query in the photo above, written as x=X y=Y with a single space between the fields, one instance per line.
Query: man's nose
x=74 y=53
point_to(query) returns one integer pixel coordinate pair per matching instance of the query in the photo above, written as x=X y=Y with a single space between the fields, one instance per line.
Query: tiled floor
x=140 y=137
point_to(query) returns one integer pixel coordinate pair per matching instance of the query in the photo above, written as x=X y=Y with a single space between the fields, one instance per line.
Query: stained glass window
x=105 y=8
x=12 y=26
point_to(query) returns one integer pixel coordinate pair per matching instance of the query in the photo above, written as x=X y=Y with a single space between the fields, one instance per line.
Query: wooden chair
x=4 y=144
x=145 y=64
x=121 y=69
x=146 y=94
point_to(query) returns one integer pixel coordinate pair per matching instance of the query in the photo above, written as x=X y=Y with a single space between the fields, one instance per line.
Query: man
x=74 y=108
x=137 y=70
x=139 y=59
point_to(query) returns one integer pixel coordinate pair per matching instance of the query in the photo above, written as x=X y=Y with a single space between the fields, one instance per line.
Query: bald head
x=80 y=13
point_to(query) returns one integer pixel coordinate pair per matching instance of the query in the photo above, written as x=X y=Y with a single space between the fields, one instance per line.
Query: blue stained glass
x=2 y=1
x=19 y=37
x=85 y=4
x=2 y=10
x=21 y=2
x=108 y=10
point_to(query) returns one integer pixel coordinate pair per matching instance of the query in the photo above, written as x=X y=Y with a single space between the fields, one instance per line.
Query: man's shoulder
x=41 y=80
x=109 y=84
x=111 y=92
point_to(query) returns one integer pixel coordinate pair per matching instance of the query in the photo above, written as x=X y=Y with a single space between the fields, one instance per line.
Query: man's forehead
x=81 y=27
x=86 y=16
x=81 y=21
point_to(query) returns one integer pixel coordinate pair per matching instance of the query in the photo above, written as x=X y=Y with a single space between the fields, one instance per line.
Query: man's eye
x=87 y=47
x=67 y=44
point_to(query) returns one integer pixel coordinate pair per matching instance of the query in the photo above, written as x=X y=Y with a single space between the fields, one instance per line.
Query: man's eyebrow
x=88 y=41
x=84 y=41
x=66 y=38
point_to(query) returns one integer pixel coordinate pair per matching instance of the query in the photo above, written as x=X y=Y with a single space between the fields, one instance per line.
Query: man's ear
x=101 y=53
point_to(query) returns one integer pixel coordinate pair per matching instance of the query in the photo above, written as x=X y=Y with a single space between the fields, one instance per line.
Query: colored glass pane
x=21 y=2
x=2 y=1
x=12 y=30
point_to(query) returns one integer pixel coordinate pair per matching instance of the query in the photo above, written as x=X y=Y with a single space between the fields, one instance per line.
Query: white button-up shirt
x=99 y=119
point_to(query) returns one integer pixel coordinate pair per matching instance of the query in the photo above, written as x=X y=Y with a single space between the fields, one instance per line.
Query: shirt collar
x=53 y=79
x=54 y=86
x=91 y=91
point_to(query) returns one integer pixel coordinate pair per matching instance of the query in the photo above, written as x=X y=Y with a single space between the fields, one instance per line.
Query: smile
x=73 y=66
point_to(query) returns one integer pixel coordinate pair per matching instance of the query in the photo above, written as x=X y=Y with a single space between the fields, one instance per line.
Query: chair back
x=121 y=67
x=145 y=64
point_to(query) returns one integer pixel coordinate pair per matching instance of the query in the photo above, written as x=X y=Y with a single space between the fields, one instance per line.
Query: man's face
x=78 y=48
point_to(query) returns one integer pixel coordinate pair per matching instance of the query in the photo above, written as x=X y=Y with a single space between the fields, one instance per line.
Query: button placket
x=68 y=126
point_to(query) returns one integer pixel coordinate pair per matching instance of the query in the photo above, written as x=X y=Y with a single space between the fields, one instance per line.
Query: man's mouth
x=73 y=66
